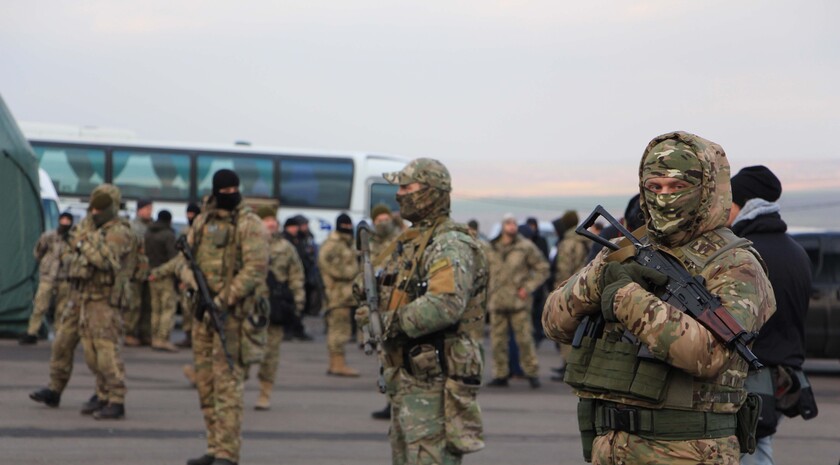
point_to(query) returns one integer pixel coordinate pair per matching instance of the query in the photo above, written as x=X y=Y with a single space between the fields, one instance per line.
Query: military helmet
x=426 y=171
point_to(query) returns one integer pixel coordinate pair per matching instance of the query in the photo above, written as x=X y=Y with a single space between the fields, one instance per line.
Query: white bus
x=317 y=184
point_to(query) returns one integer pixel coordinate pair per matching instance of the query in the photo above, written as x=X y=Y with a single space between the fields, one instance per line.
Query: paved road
x=314 y=418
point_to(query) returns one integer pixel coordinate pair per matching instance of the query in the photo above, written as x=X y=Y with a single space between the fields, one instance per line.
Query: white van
x=49 y=200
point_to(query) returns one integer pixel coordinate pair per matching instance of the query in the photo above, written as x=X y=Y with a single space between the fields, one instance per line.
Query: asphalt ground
x=314 y=418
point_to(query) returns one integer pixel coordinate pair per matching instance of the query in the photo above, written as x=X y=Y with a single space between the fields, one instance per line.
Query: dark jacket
x=781 y=340
x=160 y=243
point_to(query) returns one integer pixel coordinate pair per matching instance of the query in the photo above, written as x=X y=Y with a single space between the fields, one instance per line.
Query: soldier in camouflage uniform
x=100 y=267
x=571 y=251
x=432 y=289
x=680 y=408
x=48 y=251
x=339 y=265
x=230 y=246
x=138 y=316
x=517 y=269
x=186 y=306
x=159 y=245
x=286 y=271
x=385 y=230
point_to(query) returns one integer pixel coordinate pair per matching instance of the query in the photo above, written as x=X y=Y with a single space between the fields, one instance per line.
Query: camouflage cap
x=672 y=159
x=426 y=171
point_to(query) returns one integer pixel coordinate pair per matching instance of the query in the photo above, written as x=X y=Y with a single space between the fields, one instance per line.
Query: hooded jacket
x=736 y=275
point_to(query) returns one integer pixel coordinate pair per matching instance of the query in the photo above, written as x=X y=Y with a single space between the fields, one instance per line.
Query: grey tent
x=23 y=223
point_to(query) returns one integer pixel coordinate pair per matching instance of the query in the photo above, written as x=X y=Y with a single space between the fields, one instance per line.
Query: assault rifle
x=683 y=291
x=373 y=330
x=205 y=301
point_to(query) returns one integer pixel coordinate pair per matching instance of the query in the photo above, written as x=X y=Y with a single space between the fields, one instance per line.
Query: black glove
x=616 y=275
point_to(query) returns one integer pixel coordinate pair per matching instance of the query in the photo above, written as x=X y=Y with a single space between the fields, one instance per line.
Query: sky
x=517 y=98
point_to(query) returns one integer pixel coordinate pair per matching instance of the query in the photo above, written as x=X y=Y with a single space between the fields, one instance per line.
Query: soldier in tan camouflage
x=48 y=252
x=385 y=230
x=286 y=286
x=432 y=289
x=103 y=259
x=339 y=265
x=186 y=305
x=230 y=246
x=681 y=407
x=138 y=329
x=517 y=268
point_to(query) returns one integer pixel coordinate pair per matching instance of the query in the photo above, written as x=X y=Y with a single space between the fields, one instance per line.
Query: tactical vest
x=608 y=368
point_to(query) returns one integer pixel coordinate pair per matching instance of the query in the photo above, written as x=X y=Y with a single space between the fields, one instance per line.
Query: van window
x=256 y=175
x=159 y=176
x=316 y=183
x=74 y=171
x=384 y=193
x=50 y=214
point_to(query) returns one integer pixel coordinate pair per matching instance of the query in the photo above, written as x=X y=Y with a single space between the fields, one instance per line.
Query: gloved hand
x=362 y=316
x=614 y=276
x=391 y=325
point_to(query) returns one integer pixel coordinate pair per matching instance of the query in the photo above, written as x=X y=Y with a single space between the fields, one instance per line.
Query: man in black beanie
x=780 y=344
x=226 y=189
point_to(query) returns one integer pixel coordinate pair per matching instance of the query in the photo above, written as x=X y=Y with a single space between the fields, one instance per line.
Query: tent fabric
x=20 y=202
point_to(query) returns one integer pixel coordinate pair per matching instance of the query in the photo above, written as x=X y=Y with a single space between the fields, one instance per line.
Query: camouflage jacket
x=49 y=250
x=286 y=266
x=108 y=254
x=737 y=276
x=141 y=270
x=379 y=243
x=227 y=245
x=515 y=266
x=339 y=265
x=571 y=255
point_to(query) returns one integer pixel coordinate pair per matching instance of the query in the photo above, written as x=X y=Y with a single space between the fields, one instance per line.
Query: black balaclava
x=223 y=179
x=64 y=230
x=344 y=224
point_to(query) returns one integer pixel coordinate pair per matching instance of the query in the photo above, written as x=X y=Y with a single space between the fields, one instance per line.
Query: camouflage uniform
x=700 y=378
x=138 y=315
x=432 y=289
x=514 y=266
x=571 y=256
x=286 y=266
x=222 y=239
x=378 y=243
x=66 y=319
x=101 y=266
x=339 y=265
x=48 y=251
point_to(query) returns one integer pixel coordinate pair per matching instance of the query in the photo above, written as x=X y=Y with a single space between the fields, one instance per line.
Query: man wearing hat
x=517 y=269
x=339 y=265
x=385 y=230
x=138 y=330
x=230 y=246
x=186 y=308
x=287 y=297
x=50 y=248
x=160 y=248
x=780 y=344
x=432 y=290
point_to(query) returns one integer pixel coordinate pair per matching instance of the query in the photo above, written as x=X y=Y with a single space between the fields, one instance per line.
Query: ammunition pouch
x=662 y=424
x=609 y=366
x=586 y=424
x=748 y=422
x=425 y=357
x=783 y=391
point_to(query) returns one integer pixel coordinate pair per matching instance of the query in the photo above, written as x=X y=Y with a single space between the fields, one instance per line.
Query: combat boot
x=92 y=405
x=189 y=373
x=498 y=382
x=263 y=402
x=131 y=341
x=205 y=459
x=384 y=414
x=164 y=346
x=110 y=412
x=534 y=382
x=339 y=368
x=46 y=396
x=28 y=340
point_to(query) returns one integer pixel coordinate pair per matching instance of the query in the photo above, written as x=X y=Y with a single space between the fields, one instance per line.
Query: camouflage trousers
x=523 y=333
x=164 y=304
x=618 y=447
x=417 y=432
x=43 y=298
x=101 y=328
x=66 y=338
x=138 y=316
x=339 y=328
x=220 y=389
x=268 y=367
x=186 y=312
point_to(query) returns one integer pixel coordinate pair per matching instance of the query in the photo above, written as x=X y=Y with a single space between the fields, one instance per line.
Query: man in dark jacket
x=160 y=248
x=633 y=220
x=780 y=344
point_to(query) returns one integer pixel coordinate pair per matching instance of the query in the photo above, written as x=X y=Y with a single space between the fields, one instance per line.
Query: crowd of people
x=442 y=288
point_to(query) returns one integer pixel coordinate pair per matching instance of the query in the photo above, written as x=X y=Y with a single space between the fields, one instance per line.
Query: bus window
x=384 y=193
x=159 y=176
x=74 y=171
x=256 y=175
x=316 y=183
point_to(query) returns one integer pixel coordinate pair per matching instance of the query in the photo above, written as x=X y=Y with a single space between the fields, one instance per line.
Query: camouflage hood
x=713 y=176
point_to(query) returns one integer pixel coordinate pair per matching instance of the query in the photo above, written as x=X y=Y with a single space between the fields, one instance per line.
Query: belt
x=437 y=339
x=663 y=424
